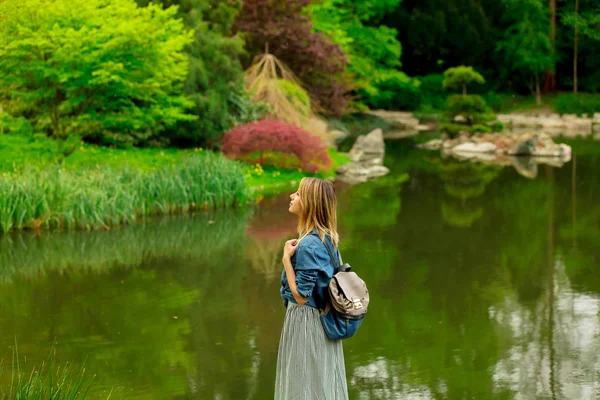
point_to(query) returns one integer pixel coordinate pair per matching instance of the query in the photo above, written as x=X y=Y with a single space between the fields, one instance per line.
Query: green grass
x=48 y=382
x=268 y=180
x=17 y=152
x=101 y=197
x=98 y=187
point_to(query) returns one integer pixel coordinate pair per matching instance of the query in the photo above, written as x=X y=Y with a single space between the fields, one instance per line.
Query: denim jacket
x=314 y=270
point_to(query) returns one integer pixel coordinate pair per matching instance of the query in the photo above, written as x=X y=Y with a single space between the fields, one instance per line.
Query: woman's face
x=295 y=203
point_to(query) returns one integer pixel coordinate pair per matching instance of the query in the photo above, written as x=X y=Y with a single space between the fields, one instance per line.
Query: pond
x=484 y=284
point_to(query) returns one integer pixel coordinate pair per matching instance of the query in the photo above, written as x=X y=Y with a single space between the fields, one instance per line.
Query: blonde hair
x=319 y=209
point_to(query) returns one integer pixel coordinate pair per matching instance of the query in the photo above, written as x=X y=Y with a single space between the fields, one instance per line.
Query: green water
x=484 y=285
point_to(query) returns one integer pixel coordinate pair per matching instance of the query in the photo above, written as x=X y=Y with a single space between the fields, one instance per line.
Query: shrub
x=432 y=91
x=275 y=136
x=460 y=77
x=395 y=92
x=577 y=104
x=465 y=105
x=475 y=112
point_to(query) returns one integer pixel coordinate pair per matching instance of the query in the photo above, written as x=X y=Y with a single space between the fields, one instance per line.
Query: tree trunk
x=575 y=48
x=538 y=92
x=550 y=77
x=464 y=89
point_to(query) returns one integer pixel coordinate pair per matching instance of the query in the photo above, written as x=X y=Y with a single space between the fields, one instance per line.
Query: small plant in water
x=48 y=382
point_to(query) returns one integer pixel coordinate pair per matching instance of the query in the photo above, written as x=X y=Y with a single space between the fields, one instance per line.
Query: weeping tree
x=319 y=63
x=270 y=82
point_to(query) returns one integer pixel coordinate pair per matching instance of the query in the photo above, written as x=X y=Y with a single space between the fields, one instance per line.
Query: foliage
x=526 y=44
x=395 y=91
x=48 y=382
x=474 y=112
x=373 y=49
x=269 y=180
x=109 y=72
x=579 y=104
x=454 y=32
x=460 y=77
x=587 y=21
x=279 y=28
x=243 y=110
x=276 y=136
x=10 y=124
x=432 y=91
x=268 y=81
x=102 y=197
x=469 y=105
x=215 y=75
x=294 y=93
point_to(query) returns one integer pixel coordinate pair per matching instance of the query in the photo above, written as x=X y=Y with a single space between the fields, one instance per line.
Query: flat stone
x=400 y=134
x=358 y=174
x=434 y=144
x=475 y=148
x=403 y=119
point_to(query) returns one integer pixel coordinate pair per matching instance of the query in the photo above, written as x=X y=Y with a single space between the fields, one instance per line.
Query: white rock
x=475 y=148
x=434 y=144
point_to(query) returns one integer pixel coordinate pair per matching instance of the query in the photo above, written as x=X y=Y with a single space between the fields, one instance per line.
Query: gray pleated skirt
x=310 y=366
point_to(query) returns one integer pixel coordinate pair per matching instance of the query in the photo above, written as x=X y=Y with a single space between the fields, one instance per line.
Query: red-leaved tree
x=276 y=136
x=281 y=26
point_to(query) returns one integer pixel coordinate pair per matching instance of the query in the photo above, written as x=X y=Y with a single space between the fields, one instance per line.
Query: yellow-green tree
x=108 y=71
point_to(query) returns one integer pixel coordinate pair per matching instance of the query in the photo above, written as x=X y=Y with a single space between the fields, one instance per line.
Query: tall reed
x=102 y=197
x=47 y=382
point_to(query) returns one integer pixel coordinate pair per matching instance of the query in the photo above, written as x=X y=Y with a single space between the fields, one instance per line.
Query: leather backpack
x=348 y=301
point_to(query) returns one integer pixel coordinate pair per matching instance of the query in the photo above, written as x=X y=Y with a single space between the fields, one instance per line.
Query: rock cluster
x=524 y=152
x=406 y=124
x=527 y=144
x=367 y=159
x=552 y=122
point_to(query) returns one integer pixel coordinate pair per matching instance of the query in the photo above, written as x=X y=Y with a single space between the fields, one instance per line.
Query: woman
x=310 y=366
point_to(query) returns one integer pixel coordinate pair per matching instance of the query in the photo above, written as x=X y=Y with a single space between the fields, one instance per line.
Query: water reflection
x=483 y=285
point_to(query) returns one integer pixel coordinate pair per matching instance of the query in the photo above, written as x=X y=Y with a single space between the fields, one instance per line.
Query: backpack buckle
x=357 y=304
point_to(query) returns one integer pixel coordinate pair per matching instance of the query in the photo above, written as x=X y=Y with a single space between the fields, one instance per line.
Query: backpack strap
x=339 y=267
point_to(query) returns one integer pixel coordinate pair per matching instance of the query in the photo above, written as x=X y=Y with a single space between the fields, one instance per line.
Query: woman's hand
x=290 y=248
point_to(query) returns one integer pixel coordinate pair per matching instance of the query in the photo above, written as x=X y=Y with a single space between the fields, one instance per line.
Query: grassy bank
x=268 y=180
x=97 y=187
x=101 y=195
